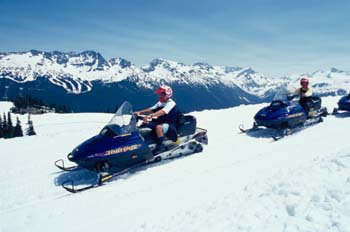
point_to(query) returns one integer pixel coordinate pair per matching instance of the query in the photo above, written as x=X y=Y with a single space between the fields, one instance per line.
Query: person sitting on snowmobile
x=305 y=92
x=162 y=116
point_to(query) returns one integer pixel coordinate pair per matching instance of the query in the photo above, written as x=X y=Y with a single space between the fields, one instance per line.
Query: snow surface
x=238 y=183
x=5 y=106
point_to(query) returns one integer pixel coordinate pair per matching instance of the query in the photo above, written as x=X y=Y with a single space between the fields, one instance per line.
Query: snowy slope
x=239 y=183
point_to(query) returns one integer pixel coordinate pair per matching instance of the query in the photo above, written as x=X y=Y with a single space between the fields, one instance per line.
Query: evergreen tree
x=30 y=130
x=10 y=128
x=22 y=103
x=18 y=129
x=4 y=126
x=1 y=128
x=4 y=123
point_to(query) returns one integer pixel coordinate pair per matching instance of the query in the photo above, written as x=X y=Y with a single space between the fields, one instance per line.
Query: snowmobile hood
x=344 y=100
x=122 y=124
x=344 y=103
x=280 y=113
x=101 y=146
x=93 y=145
x=277 y=109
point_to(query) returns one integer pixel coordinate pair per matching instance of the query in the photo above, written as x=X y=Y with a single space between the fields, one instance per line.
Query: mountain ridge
x=86 y=81
x=90 y=66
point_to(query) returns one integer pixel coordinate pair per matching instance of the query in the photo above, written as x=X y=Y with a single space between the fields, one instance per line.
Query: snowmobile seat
x=186 y=125
x=148 y=134
x=315 y=103
x=310 y=104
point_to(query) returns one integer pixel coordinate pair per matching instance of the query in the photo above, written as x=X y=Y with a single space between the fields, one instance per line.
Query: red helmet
x=304 y=81
x=165 y=92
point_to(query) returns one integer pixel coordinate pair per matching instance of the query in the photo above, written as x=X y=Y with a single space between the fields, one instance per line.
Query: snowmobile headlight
x=70 y=156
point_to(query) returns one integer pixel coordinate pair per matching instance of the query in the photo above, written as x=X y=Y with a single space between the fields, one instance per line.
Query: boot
x=160 y=147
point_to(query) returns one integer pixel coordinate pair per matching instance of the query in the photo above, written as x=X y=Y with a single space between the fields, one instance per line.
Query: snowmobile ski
x=191 y=147
x=70 y=187
x=60 y=164
x=253 y=128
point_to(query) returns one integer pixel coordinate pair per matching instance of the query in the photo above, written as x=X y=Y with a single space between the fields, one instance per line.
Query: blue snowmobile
x=122 y=146
x=343 y=104
x=285 y=115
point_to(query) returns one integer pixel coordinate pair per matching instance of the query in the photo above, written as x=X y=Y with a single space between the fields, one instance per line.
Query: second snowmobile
x=285 y=115
x=343 y=104
x=122 y=146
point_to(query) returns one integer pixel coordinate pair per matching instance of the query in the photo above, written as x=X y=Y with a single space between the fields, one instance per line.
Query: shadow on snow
x=260 y=133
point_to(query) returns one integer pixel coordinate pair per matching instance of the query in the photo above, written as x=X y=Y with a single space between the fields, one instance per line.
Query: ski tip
x=69 y=186
x=241 y=128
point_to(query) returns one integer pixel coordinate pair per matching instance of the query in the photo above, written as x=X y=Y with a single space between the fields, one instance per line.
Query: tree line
x=29 y=101
x=7 y=130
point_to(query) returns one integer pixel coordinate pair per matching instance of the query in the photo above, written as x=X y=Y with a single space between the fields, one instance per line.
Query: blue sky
x=273 y=37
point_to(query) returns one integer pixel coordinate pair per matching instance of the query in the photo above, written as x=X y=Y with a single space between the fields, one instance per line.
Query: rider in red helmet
x=305 y=92
x=161 y=116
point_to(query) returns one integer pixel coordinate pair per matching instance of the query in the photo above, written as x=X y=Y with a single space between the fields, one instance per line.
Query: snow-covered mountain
x=202 y=73
x=330 y=82
x=98 y=84
x=76 y=71
x=72 y=71
x=238 y=183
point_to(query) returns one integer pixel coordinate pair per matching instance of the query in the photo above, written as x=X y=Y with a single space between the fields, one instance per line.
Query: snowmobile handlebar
x=142 y=117
x=291 y=96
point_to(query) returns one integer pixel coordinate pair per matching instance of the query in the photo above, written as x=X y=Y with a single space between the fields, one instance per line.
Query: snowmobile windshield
x=283 y=94
x=123 y=122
